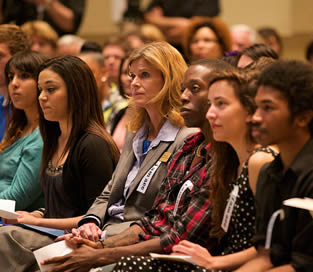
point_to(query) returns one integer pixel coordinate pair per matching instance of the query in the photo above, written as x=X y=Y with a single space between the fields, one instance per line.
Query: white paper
x=50 y=251
x=302 y=203
x=185 y=259
x=7 y=209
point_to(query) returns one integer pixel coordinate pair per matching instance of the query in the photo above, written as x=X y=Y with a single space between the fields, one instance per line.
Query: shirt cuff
x=89 y=218
x=166 y=243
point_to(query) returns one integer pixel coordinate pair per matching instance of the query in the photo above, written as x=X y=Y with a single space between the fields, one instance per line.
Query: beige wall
x=303 y=17
x=292 y=18
x=97 y=20
x=257 y=13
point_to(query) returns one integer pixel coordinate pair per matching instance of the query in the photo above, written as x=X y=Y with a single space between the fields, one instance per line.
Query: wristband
x=41 y=211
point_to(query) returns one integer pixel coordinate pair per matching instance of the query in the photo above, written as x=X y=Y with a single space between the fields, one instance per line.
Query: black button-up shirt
x=292 y=238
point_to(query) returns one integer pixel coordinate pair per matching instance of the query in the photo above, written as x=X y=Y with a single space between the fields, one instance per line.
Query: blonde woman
x=155 y=131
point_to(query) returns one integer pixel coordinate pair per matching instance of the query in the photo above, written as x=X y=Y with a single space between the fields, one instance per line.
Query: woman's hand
x=23 y=218
x=198 y=253
x=88 y=231
x=28 y=218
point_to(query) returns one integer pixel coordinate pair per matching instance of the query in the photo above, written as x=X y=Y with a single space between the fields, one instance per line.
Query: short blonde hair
x=42 y=30
x=152 y=33
x=14 y=37
x=172 y=66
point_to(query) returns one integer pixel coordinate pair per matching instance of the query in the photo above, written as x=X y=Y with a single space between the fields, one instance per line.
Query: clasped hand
x=88 y=231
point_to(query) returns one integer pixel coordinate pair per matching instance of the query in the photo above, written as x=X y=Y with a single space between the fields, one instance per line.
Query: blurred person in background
x=64 y=16
x=118 y=125
x=69 y=45
x=271 y=37
x=206 y=38
x=134 y=39
x=96 y=63
x=91 y=46
x=152 y=33
x=43 y=37
x=173 y=16
x=114 y=50
x=243 y=36
x=12 y=41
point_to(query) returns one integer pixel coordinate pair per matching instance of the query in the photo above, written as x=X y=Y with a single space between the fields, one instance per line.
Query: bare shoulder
x=259 y=158
x=255 y=163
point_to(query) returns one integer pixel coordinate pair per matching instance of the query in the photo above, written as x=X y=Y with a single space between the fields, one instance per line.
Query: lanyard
x=187 y=185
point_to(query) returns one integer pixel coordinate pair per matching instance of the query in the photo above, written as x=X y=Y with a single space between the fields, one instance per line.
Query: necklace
x=53 y=171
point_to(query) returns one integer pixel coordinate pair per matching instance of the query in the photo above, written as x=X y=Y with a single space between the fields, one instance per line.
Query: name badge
x=165 y=156
x=144 y=183
x=229 y=208
x=187 y=185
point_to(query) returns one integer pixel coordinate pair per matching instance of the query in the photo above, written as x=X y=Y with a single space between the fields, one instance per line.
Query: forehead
x=244 y=61
x=205 y=31
x=222 y=88
x=141 y=63
x=197 y=72
x=113 y=49
x=240 y=34
x=269 y=94
x=47 y=75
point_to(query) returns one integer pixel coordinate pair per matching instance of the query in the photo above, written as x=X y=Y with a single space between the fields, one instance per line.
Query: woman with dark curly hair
x=206 y=38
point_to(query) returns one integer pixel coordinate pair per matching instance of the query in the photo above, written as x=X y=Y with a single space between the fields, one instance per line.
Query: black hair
x=294 y=80
x=91 y=46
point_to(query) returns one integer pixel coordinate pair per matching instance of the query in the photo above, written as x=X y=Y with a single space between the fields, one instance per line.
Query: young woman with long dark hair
x=21 y=148
x=78 y=158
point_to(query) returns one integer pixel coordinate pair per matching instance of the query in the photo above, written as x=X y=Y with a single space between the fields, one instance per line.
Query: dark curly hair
x=220 y=29
x=294 y=80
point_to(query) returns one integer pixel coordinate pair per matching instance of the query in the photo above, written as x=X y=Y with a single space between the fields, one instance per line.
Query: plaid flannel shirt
x=192 y=219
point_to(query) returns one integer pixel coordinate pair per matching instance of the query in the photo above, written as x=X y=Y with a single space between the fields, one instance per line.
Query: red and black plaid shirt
x=192 y=219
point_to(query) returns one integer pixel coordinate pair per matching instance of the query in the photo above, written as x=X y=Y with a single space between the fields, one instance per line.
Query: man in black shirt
x=284 y=117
